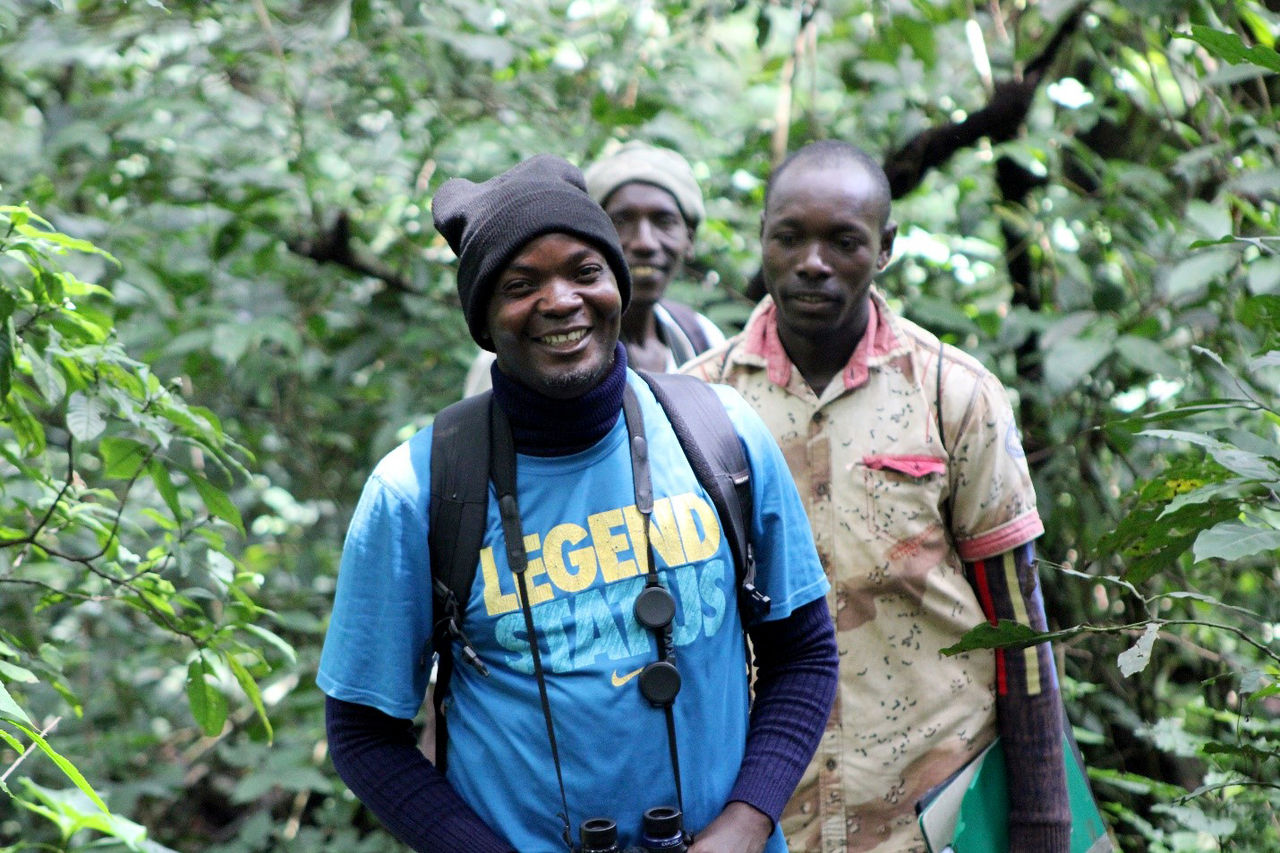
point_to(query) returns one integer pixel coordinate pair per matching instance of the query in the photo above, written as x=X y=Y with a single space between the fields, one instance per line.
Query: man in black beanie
x=654 y=201
x=575 y=726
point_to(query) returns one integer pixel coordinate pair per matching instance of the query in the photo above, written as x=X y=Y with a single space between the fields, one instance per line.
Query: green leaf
x=1189 y=278
x=208 y=705
x=217 y=502
x=86 y=416
x=1234 y=540
x=68 y=769
x=1006 y=634
x=273 y=640
x=1070 y=361
x=122 y=457
x=164 y=485
x=11 y=672
x=1145 y=354
x=11 y=709
x=1230 y=47
x=250 y=688
x=51 y=384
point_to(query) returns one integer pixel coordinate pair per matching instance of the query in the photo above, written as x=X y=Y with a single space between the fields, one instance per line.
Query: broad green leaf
x=68 y=769
x=1135 y=659
x=1270 y=359
x=208 y=705
x=1234 y=540
x=86 y=416
x=1189 y=278
x=123 y=457
x=273 y=640
x=217 y=502
x=1230 y=47
x=1146 y=354
x=164 y=485
x=11 y=709
x=11 y=672
x=1006 y=634
x=48 y=380
x=1071 y=361
x=250 y=688
x=1248 y=465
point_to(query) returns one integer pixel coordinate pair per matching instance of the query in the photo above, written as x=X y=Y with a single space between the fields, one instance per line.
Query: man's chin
x=568 y=384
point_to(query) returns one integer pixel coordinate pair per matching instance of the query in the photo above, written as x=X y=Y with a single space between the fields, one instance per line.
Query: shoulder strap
x=687 y=319
x=715 y=453
x=458 y=512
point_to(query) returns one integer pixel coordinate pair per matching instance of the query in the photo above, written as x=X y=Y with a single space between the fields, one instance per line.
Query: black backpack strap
x=715 y=453
x=458 y=512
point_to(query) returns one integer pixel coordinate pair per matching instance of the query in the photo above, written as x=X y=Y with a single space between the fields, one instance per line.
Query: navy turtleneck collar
x=543 y=426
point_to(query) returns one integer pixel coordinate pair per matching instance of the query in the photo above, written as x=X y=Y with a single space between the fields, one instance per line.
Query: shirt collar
x=877 y=344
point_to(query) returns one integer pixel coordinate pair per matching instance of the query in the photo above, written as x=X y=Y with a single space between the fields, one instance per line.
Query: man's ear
x=762 y=226
x=886 y=244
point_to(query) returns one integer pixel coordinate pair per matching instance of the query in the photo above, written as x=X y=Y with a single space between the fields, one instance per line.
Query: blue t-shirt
x=587 y=562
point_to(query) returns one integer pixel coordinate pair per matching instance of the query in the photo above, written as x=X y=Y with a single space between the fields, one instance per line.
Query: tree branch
x=999 y=120
x=334 y=247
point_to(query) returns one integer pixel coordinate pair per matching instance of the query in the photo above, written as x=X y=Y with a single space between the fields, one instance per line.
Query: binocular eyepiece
x=663 y=832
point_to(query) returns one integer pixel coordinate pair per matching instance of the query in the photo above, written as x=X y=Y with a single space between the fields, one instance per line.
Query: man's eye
x=515 y=285
x=590 y=272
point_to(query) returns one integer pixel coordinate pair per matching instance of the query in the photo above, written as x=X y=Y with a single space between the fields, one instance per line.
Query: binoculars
x=663 y=832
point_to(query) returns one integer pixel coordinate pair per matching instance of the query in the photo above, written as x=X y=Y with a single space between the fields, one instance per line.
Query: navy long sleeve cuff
x=797 y=667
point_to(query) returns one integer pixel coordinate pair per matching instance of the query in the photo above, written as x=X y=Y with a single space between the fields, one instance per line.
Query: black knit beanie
x=486 y=224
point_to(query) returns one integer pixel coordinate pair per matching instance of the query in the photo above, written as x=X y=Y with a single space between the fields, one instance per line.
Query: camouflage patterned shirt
x=896 y=511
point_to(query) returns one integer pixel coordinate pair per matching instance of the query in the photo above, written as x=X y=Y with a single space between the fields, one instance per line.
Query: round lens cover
x=655 y=607
x=660 y=682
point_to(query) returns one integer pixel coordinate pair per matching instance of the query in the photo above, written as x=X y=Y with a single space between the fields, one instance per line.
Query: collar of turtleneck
x=543 y=426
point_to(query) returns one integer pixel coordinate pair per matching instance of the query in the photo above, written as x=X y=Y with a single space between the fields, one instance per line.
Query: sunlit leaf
x=1135 y=659
x=1230 y=47
x=11 y=709
x=1234 y=540
x=208 y=705
x=217 y=502
x=86 y=416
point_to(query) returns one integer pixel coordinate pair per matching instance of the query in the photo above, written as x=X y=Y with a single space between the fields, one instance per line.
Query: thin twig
x=30 y=747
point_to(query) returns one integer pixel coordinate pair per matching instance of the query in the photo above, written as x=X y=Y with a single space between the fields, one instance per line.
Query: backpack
x=686 y=320
x=460 y=475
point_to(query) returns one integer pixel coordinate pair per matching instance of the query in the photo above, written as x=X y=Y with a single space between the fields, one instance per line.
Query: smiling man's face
x=656 y=240
x=555 y=316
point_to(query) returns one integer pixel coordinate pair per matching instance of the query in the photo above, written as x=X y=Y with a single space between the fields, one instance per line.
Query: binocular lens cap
x=655 y=607
x=659 y=683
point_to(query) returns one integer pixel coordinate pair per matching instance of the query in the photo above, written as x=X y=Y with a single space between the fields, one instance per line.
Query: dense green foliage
x=223 y=300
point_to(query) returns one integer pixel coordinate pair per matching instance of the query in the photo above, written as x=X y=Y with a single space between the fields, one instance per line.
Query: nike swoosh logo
x=619 y=680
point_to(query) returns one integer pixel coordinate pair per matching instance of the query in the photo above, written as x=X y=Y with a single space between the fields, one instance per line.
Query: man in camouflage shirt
x=924 y=521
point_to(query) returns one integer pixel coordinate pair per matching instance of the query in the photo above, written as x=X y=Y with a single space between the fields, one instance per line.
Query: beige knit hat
x=640 y=161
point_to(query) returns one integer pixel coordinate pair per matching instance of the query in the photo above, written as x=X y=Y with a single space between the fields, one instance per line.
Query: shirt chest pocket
x=904 y=493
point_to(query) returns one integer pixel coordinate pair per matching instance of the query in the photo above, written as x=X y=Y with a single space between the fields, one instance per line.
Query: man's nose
x=812 y=262
x=561 y=295
x=642 y=239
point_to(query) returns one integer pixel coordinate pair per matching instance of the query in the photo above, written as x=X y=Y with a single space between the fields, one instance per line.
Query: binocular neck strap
x=503 y=462
x=643 y=487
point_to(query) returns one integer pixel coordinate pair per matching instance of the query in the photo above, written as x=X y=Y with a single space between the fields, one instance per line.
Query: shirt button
x=822 y=490
x=831 y=764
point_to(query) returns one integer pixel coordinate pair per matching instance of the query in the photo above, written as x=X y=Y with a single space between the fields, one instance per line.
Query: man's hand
x=738 y=829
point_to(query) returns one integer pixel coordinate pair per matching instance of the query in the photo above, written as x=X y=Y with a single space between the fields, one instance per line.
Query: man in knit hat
x=655 y=203
x=908 y=460
x=607 y=517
